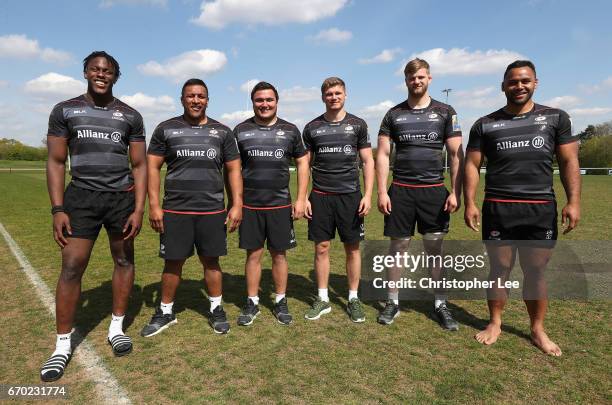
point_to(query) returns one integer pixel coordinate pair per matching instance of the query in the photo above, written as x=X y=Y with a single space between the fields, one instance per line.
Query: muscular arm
x=455 y=157
x=569 y=169
x=156 y=215
x=365 y=154
x=234 y=177
x=471 y=177
x=57 y=150
x=303 y=172
x=138 y=159
x=382 y=173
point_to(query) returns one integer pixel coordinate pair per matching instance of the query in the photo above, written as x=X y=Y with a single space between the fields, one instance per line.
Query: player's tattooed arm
x=471 y=177
x=56 y=172
x=569 y=169
x=382 y=173
x=156 y=215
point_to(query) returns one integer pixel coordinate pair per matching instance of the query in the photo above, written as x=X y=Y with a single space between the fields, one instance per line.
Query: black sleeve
x=307 y=138
x=475 y=141
x=299 y=149
x=453 y=128
x=137 y=133
x=57 y=124
x=563 y=133
x=230 y=146
x=158 y=145
x=385 y=125
x=363 y=138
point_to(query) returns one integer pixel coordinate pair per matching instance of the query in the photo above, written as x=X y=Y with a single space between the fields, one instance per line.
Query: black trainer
x=158 y=323
x=281 y=312
x=248 y=314
x=446 y=318
x=218 y=320
x=389 y=313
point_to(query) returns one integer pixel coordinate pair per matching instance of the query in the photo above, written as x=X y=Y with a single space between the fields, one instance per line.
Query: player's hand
x=452 y=204
x=308 y=210
x=156 y=219
x=234 y=218
x=61 y=221
x=298 y=210
x=364 y=206
x=133 y=225
x=570 y=216
x=384 y=203
x=472 y=217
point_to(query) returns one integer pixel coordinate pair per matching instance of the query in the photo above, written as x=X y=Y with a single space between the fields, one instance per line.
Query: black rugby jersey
x=195 y=156
x=98 y=141
x=419 y=136
x=519 y=151
x=266 y=153
x=335 y=146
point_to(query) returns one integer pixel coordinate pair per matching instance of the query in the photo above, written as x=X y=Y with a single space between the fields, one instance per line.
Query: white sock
x=278 y=298
x=394 y=296
x=116 y=326
x=62 y=344
x=255 y=299
x=439 y=300
x=214 y=302
x=352 y=294
x=166 y=308
x=323 y=295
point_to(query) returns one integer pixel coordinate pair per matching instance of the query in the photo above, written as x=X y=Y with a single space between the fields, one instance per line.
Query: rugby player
x=195 y=149
x=519 y=142
x=99 y=132
x=267 y=145
x=336 y=139
x=419 y=127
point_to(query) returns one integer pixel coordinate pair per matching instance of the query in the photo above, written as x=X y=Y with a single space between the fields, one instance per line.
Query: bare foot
x=543 y=342
x=489 y=335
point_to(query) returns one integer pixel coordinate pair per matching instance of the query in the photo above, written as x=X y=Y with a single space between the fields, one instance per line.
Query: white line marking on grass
x=108 y=388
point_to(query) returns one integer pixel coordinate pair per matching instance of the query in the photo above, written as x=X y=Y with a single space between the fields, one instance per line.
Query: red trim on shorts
x=265 y=208
x=323 y=192
x=518 y=201
x=397 y=183
x=194 y=212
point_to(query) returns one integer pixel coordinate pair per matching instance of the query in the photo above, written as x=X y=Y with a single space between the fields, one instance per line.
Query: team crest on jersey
x=348 y=128
x=541 y=118
x=432 y=136
x=211 y=153
x=434 y=115
x=280 y=132
x=347 y=149
x=213 y=132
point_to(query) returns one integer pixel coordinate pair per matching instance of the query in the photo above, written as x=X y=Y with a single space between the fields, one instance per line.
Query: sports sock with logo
x=214 y=302
x=62 y=344
x=116 y=326
x=166 y=308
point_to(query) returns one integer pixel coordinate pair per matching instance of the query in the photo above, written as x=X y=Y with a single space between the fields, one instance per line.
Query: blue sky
x=295 y=45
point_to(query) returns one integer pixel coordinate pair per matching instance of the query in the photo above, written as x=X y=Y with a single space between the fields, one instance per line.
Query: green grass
x=22 y=164
x=330 y=360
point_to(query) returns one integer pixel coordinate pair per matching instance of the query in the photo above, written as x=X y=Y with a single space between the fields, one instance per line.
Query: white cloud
x=606 y=84
x=3 y=83
x=477 y=98
x=21 y=47
x=247 y=86
x=386 y=56
x=299 y=94
x=235 y=117
x=331 y=36
x=111 y=3
x=460 y=61
x=376 y=110
x=202 y=62
x=563 y=101
x=52 y=85
x=216 y=14
x=590 y=111
x=148 y=104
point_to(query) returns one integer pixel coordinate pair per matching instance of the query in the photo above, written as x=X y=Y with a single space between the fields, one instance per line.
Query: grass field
x=325 y=361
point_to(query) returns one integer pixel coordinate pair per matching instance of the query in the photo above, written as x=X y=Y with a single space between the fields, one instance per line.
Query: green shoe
x=355 y=310
x=318 y=308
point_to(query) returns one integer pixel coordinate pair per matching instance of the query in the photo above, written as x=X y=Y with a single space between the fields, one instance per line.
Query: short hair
x=519 y=64
x=102 y=54
x=194 y=82
x=414 y=65
x=263 y=86
x=331 y=82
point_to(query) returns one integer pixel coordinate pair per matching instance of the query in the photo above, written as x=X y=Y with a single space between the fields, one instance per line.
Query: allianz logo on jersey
x=432 y=136
x=537 y=142
x=346 y=149
x=210 y=153
x=88 y=133
x=278 y=153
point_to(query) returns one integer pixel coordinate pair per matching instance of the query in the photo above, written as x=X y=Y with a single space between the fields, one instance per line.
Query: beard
x=418 y=91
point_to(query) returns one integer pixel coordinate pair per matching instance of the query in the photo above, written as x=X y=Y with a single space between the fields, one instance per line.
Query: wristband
x=57 y=208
